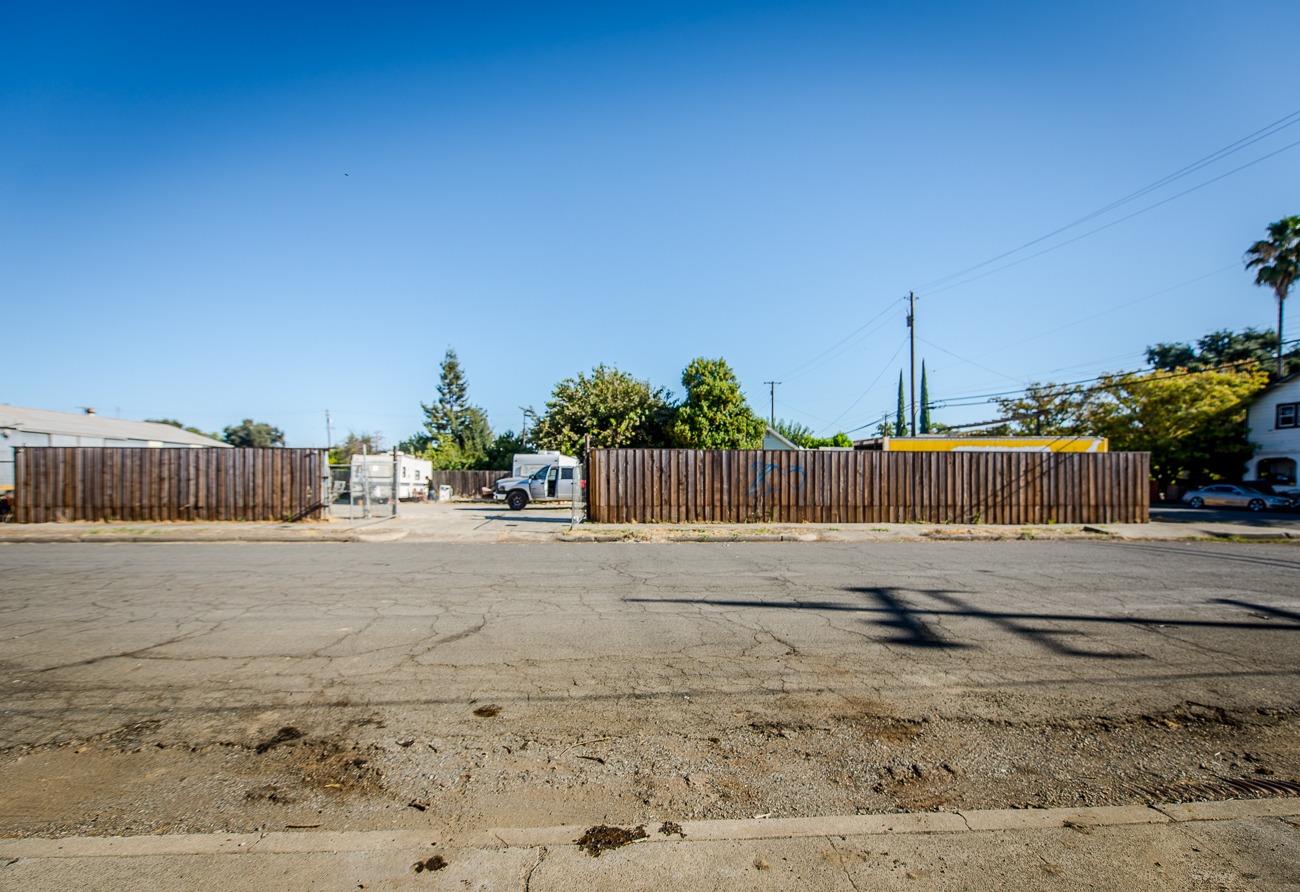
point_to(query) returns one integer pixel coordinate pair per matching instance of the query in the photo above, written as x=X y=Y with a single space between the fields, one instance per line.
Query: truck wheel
x=516 y=500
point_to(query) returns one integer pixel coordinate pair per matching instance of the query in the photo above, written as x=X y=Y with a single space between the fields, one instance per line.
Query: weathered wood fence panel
x=692 y=486
x=62 y=483
x=465 y=484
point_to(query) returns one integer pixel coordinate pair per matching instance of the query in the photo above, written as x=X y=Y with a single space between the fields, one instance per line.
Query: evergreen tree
x=900 y=424
x=458 y=433
x=925 y=401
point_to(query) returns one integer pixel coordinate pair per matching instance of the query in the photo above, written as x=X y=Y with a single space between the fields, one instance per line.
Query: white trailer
x=372 y=477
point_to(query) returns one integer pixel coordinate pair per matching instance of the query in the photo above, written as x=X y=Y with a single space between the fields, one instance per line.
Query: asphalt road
x=716 y=679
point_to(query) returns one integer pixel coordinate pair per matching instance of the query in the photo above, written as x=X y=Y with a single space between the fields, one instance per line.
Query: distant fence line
x=63 y=483
x=739 y=486
x=465 y=484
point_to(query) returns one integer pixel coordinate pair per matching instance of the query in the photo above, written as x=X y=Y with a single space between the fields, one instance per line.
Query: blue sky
x=214 y=211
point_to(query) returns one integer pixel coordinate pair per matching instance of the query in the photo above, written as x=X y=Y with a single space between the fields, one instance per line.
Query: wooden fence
x=57 y=483
x=692 y=486
x=465 y=484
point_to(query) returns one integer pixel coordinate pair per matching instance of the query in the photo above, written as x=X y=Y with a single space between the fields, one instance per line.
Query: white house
x=1274 y=423
x=20 y=426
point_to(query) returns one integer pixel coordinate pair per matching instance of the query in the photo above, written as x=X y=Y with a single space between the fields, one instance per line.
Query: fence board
x=62 y=483
x=692 y=486
x=465 y=484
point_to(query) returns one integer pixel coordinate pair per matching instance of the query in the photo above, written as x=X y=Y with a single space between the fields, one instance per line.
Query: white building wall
x=1271 y=441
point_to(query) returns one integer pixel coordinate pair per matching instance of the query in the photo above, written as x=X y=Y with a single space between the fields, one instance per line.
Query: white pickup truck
x=538 y=477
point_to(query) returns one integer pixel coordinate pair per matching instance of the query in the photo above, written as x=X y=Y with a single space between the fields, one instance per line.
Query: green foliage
x=714 y=414
x=925 y=401
x=1216 y=349
x=1276 y=262
x=174 y=423
x=501 y=453
x=803 y=436
x=1194 y=426
x=253 y=433
x=357 y=444
x=1046 y=410
x=610 y=405
x=456 y=434
x=900 y=414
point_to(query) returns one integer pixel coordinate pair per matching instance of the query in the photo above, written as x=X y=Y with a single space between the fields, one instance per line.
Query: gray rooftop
x=80 y=424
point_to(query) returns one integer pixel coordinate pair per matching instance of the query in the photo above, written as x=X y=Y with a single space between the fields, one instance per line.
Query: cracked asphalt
x=175 y=688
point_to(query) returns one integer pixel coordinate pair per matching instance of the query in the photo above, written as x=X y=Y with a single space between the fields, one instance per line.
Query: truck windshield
x=540 y=473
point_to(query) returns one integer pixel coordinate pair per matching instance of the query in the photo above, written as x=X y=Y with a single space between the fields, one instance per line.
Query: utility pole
x=329 y=433
x=771 y=387
x=911 y=333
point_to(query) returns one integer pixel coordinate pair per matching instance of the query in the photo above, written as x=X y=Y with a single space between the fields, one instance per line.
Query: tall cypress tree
x=900 y=424
x=925 y=401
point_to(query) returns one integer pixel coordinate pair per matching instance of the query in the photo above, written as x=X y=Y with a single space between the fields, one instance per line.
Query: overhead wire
x=1115 y=222
x=1218 y=155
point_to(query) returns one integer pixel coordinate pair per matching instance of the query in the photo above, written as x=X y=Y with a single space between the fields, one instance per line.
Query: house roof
x=780 y=437
x=78 y=424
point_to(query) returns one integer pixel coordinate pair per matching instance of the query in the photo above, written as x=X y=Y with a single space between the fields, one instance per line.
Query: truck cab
x=538 y=477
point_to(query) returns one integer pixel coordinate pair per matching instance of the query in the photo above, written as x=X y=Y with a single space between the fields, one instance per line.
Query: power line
x=968 y=361
x=864 y=393
x=842 y=341
x=1116 y=222
x=1233 y=147
x=1120 y=381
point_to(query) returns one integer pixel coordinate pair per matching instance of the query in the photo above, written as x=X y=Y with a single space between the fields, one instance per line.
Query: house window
x=1286 y=414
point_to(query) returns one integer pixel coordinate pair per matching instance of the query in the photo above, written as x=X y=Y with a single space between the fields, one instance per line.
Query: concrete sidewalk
x=1251 y=844
x=493 y=522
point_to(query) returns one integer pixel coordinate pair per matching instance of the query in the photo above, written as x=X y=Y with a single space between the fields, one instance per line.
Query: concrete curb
x=331 y=841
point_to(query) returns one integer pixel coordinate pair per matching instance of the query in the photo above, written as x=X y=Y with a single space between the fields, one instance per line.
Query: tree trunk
x=1281 y=300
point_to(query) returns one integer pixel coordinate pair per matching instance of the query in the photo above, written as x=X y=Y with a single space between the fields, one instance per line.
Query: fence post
x=397 y=490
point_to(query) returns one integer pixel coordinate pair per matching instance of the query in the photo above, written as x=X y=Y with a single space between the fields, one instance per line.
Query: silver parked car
x=1227 y=495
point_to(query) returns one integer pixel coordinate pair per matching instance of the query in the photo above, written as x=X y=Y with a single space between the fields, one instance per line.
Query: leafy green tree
x=714 y=413
x=609 y=404
x=357 y=444
x=501 y=452
x=253 y=433
x=1193 y=425
x=925 y=401
x=1047 y=410
x=900 y=414
x=803 y=436
x=1276 y=261
x=1216 y=349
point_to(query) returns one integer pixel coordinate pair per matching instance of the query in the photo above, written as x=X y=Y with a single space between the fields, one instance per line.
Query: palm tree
x=1276 y=261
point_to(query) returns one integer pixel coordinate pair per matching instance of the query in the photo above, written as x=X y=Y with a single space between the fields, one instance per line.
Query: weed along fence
x=693 y=486
x=57 y=483
x=465 y=484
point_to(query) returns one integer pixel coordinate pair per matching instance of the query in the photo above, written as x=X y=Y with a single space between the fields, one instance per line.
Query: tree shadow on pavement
x=912 y=625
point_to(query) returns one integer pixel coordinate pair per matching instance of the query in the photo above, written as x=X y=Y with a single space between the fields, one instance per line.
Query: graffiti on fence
x=767 y=475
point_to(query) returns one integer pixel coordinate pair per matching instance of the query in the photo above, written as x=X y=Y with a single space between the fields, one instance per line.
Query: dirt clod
x=436 y=862
x=284 y=735
x=269 y=793
x=602 y=837
x=489 y=711
x=668 y=828
x=418 y=804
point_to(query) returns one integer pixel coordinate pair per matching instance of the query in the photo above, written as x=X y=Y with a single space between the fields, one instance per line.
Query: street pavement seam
x=971 y=821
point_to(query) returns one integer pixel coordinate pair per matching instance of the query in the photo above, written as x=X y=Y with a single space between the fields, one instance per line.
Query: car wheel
x=1196 y=502
x=516 y=500
x=1256 y=505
